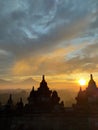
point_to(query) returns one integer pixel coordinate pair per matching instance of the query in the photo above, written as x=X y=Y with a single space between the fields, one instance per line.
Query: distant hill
x=26 y=83
x=2 y=81
x=23 y=87
x=68 y=96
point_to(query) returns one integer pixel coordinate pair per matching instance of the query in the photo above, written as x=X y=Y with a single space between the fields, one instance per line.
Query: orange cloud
x=57 y=66
x=40 y=64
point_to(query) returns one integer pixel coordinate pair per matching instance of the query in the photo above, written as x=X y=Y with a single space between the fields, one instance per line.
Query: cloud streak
x=31 y=30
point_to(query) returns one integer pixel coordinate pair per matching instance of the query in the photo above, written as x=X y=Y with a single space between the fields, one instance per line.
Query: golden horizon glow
x=82 y=82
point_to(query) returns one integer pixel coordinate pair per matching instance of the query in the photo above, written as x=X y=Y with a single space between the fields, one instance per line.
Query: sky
x=57 y=38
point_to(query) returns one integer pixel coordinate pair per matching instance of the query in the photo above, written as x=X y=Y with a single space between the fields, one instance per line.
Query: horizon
x=26 y=84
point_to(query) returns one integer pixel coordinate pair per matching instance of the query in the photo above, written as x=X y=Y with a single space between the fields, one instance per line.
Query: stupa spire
x=80 y=89
x=91 y=76
x=43 y=83
x=92 y=83
x=43 y=78
x=10 y=101
x=33 y=88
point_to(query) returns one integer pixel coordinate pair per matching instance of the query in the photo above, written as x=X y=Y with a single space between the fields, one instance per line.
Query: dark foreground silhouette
x=45 y=111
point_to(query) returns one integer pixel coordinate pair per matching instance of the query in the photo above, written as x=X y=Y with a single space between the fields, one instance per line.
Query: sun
x=82 y=82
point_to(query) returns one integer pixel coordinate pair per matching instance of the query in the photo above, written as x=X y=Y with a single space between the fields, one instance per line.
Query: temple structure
x=44 y=110
x=87 y=100
x=43 y=99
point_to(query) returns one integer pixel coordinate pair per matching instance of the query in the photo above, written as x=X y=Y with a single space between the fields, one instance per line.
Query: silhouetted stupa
x=87 y=99
x=43 y=99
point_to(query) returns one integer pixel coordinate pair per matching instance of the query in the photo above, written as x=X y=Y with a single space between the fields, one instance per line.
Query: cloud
x=30 y=30
x=84 y=61
x=5 y=59
x=59 y=62
x=35 y=24
x=41 y=64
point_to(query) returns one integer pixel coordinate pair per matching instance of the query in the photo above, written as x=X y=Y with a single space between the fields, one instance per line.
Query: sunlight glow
x=82 y=82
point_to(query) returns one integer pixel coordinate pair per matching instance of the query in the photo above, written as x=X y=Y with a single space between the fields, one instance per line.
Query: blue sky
x=52 y=37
